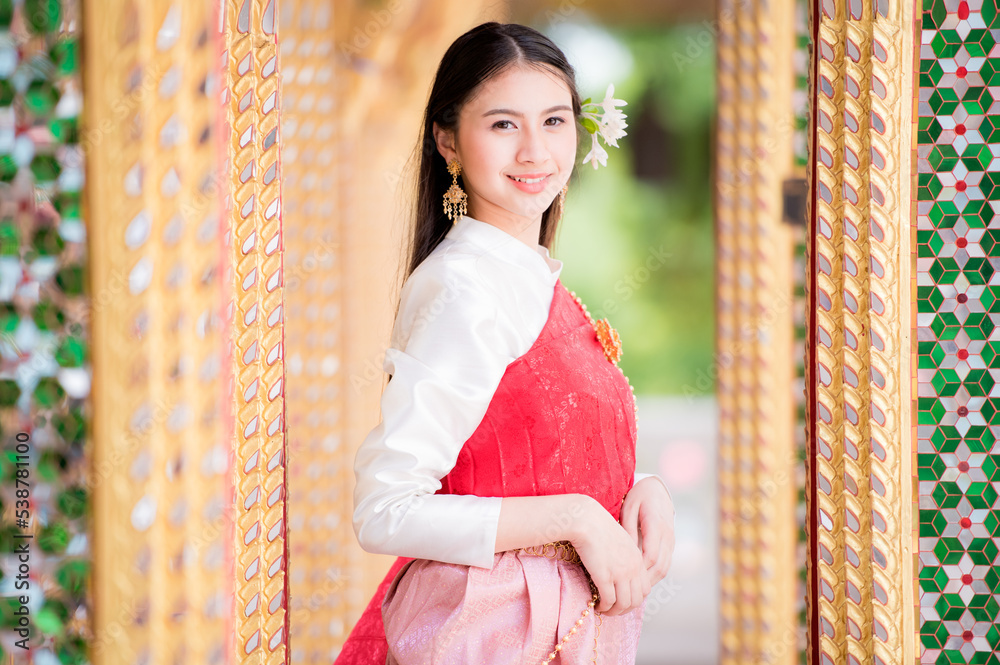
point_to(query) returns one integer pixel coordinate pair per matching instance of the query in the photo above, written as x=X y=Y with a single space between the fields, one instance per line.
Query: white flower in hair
x=605 y=121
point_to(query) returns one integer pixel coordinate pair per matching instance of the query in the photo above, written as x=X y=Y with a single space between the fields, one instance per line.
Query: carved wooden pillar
x=754 y=342
x=252 y=100
x=860 y=367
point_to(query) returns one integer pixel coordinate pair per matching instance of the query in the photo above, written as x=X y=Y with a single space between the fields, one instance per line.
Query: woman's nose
x=532 y=148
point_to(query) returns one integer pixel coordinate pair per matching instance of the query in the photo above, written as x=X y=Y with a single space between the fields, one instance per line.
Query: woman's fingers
x=630 y=519
x=606 y=589
x=623 y=595
x=637 y=591
x=652 y=540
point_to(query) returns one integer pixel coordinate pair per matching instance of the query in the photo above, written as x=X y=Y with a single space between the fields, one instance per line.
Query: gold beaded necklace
x=609 y=339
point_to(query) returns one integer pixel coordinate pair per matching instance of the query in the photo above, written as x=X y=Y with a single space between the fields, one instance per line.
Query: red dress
x=562 y=421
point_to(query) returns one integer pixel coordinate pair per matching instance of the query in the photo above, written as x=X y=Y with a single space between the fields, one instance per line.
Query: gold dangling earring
x=562 y=200
x=455 y=199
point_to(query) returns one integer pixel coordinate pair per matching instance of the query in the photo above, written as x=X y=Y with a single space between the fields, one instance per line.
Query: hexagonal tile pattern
x=958 y=344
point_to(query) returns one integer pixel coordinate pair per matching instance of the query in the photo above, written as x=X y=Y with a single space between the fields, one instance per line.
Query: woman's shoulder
x=445 y=293
x=451 y=269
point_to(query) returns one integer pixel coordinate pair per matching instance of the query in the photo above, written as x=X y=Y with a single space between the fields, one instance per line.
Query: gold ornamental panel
x=252 y=99
x=159 y=465
x=861 y=490
x=754 y=338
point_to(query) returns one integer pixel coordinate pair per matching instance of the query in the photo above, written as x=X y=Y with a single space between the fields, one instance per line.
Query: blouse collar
x=501 y=244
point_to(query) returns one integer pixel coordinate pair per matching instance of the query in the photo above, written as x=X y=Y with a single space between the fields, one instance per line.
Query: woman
x=502 y=472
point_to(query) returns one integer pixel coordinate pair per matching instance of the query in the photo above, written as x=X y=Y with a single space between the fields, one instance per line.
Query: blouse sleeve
x=450 y=348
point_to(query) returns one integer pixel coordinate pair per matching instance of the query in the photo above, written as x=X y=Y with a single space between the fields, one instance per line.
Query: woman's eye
x=507 y=123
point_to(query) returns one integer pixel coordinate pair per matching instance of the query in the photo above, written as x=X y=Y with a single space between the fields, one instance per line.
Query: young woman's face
x=520 y=125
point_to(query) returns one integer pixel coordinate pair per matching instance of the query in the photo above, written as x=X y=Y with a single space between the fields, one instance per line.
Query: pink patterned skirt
x=450 y=614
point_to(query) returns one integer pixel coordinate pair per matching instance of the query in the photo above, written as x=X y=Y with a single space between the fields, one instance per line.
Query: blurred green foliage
x=640 y=251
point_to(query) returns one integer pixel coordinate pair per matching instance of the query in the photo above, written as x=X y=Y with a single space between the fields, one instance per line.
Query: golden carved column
x=253 y=181
x=862 y=536
x=354 y=83
x=158 y=468
x=319 y=472
x=754 y=339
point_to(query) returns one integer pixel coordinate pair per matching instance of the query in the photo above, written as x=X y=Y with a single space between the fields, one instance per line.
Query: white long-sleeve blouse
x=473 y=306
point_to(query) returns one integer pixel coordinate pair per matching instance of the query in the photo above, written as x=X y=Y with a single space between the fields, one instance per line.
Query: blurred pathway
x=677 y=440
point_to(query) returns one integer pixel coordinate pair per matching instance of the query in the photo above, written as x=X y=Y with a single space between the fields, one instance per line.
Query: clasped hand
x=625 y=560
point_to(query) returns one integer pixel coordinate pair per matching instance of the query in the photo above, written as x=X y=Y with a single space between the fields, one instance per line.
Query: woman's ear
x=445 y=141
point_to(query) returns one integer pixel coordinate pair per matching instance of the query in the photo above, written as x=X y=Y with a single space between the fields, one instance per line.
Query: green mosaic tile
x=946 y=44
x=946 y=326
x=932 y=578
x=990 y=411
x=929 y=243
x=993 y=636
x=932 y=522
x=943 y=101
x=930 y=466
x=978 y=325
x=40 y=94
x=943 y=157
x=947 y=494
x=930 y=411
x=929 y=186
x=977 y=157
x=929 y=300
x=946 y=382
x=979 y=43
x=977 y=214
x=930 y=73
x=981 y=495
x=936 y=12
x=990 y=352
x=950 y=657
x=991 y=468
x=944 y=270
x=989 y=242
x=990 y=74
x=990 y=186
x=944 y=214
x=977 y=100
x=979 y=439
x=933 y=634
x=982 y=551
x=992 y=577
x=983 y=607
x=950 y=606
x=989 y=14
x=989 y=129
x=978 y=382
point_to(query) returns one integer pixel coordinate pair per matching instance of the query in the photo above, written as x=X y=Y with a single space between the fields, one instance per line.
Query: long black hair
x=481 y=53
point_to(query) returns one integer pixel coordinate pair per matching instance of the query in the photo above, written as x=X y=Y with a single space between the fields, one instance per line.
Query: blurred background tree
x=637 y=237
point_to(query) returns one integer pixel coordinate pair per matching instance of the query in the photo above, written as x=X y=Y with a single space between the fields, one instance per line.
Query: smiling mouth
x=529 y=181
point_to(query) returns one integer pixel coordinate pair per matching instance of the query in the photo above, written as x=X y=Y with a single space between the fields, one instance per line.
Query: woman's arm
x=609 y=554
x=450 y=349
x=526 y=521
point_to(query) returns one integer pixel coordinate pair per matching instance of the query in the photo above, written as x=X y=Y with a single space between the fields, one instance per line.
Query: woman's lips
x=531 y=187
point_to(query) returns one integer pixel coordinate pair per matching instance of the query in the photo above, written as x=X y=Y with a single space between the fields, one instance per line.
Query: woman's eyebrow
x=561 y=107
